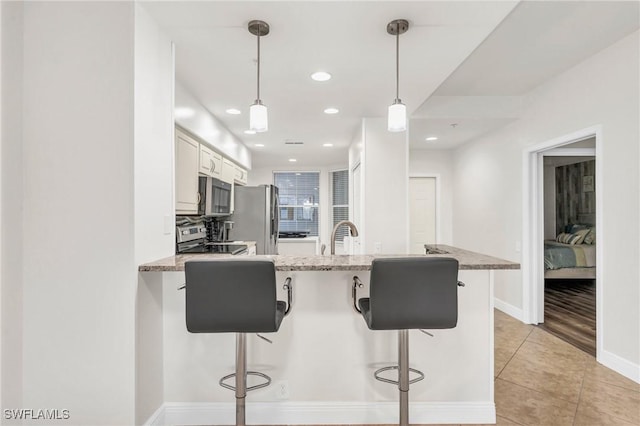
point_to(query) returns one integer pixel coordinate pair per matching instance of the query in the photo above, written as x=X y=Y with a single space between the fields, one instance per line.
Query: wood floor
x=570 y=312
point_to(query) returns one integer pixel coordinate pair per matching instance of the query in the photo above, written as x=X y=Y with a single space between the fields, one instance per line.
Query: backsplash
x=575 y=193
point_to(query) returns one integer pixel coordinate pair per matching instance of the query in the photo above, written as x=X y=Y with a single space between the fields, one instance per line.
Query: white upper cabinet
x=193 y=159
x=240 y=175
x=228 y=171
x=186 y=174
x=210 y=162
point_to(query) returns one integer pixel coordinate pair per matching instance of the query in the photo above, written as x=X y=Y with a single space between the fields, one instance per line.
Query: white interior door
x=422 y=213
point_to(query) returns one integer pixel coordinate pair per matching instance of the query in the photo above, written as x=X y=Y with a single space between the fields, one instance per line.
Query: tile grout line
x=584 y=375
x=514 y=354
x=536 y=390
x=505 y=366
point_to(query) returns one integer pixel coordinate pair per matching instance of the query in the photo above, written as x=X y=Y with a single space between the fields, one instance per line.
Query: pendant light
x=397 y=117
x=258 y=111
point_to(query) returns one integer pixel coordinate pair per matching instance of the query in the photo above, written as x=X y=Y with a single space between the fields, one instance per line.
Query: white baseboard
x=157 y=418
x=325 y=412
x=508 y=309
x=620 y=365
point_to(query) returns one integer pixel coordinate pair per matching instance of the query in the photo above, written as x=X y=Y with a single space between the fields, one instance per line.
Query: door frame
x=533 y=224
x=435 y=176
x=352 y=200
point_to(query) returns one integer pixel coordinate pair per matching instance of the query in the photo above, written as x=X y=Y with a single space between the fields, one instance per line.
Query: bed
x=572 y=255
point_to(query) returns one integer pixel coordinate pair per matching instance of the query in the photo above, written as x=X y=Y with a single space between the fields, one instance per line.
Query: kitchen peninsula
x=322 y=359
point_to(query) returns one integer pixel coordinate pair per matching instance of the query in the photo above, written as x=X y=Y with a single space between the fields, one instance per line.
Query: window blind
x=299 y=201
x=340 y=200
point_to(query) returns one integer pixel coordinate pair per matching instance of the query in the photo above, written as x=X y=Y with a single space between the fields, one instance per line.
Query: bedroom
x=570 y=244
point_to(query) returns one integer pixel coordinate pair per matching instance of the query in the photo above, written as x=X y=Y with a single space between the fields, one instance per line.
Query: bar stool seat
x=235 y=296
x=404 y=294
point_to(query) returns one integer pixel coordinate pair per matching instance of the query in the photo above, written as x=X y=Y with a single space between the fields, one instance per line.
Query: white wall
x=207 y=127
x=11 y=205
x=154 y=206
x=78 y=168
x=264 y=176
x=440 y=163
x=386 y=187
x=488 y=182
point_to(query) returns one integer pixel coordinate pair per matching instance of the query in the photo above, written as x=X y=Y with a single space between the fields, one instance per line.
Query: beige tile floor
x=541 y=380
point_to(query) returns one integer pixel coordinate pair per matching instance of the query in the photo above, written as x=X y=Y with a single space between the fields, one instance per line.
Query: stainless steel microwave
x=215 y=197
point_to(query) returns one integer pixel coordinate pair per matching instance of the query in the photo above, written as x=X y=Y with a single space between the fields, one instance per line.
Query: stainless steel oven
x=215 y=197
x=191 y=237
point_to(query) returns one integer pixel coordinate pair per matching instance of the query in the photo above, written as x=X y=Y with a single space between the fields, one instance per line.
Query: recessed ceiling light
x=249 y=132
x=184 y=112
x=259 y=145
x=292 y=160
x=331 y=110
x=327 y=144
x=321 y=76
x=432 y=138
x=233 y=111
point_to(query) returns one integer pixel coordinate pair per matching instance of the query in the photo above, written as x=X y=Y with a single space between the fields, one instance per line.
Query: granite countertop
x=467 y=260
x=226 y=243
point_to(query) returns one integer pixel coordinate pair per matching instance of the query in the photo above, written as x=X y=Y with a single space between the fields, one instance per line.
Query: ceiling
x=538 y=40
x=464 y=63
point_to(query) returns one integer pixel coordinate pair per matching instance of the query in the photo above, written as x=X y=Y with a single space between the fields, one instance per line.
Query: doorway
x=569 y=214
x=533 y=224
x=423 y=217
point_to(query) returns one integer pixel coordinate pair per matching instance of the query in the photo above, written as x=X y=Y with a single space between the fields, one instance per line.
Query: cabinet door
x=210 y=162
x=228 y=171
x=240 y=175
x=186 y=174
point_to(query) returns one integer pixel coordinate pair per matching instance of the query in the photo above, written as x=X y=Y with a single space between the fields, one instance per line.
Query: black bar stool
x=405 y=294
x=235 y=296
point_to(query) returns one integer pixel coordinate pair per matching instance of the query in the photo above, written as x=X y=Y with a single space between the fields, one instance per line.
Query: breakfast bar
x=323 y=357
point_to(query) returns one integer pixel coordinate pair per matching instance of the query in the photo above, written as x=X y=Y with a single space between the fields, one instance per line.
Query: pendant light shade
x=397 y=116
x=258 y=120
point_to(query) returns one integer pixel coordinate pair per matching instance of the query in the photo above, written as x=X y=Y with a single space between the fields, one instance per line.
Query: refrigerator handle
x=276 y=215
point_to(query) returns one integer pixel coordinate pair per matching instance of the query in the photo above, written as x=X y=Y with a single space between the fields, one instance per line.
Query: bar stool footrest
x=377 y=376
x=249 y=388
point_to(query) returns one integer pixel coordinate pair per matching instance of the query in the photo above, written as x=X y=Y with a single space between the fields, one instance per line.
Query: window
x=340 y=201
x=299 y=195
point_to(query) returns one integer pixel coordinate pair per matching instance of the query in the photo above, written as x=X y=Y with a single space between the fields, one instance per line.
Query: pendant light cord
x=397 y=61
x=258 y=100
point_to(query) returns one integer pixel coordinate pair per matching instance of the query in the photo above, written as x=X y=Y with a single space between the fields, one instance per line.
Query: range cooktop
x=217 y=248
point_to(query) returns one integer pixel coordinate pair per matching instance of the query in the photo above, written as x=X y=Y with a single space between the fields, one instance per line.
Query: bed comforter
x=559 y=255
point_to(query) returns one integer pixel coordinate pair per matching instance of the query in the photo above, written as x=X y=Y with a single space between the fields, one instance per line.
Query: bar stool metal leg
x=241 y=378
x=403 y=375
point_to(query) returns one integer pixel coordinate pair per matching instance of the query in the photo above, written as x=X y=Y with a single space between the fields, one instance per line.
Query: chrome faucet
x=352 y=229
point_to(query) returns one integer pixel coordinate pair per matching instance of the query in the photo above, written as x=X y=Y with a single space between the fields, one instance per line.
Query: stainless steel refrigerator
x=255 y=216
